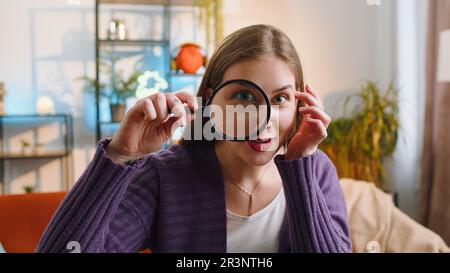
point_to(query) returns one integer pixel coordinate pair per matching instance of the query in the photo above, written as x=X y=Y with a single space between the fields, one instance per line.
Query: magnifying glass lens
x=239 y=110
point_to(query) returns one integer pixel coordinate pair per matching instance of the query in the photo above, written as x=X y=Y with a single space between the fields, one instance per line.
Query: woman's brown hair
x=250 y=42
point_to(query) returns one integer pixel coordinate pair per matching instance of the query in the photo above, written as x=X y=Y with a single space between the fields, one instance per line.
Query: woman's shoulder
x=177 y=155
x=155 y=168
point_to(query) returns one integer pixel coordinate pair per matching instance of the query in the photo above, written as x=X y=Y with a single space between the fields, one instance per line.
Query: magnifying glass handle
x=187 y=109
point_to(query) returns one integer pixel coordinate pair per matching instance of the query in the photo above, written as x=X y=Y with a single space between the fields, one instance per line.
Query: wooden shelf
x=174 y=74
x=34 y=155
x=32 y=116
x=38 y=153
x=150 y=2
x=109 y=123
x=129 y=48
x=132 y=42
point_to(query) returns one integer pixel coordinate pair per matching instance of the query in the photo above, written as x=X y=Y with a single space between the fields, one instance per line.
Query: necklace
x=250 y=193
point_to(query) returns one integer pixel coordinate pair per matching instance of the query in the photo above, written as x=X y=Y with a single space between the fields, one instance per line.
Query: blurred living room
x=71 y=70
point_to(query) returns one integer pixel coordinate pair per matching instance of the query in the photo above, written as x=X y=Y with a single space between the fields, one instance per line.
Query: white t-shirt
x=259 y=232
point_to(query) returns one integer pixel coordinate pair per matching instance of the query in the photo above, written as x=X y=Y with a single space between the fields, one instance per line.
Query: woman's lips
x=260 y=145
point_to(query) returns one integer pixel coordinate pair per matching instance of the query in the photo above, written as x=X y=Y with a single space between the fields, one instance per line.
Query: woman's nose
x=269 y=127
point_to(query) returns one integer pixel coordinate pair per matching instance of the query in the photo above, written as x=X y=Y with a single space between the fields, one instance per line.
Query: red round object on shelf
x=190 y=58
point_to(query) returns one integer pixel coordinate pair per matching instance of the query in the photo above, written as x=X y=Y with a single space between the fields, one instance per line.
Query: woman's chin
x=257 y=158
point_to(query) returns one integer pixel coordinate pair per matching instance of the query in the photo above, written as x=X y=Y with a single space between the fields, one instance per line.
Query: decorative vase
x=117 y=30
x=190 y=58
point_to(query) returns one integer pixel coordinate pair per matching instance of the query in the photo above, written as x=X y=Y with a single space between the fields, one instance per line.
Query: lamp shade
x=443 y=73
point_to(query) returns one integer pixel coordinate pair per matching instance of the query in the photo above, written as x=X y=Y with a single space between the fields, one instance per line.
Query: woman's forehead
x=271 y=74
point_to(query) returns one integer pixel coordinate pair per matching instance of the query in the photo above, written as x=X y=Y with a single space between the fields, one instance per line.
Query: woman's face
x=276 y=78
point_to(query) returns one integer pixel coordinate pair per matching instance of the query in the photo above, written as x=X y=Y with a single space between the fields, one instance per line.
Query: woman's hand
x=313 y=128
x=147 y=125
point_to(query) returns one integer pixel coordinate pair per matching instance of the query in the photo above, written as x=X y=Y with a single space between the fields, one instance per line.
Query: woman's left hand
x=313 y=128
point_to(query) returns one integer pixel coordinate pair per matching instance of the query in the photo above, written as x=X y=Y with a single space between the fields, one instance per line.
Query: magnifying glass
x=239 y=110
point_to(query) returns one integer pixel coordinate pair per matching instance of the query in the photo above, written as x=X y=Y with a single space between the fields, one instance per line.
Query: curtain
x=435 y=172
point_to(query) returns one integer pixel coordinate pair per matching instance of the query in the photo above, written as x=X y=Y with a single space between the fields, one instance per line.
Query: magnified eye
x=280 y=99
x=244 y=95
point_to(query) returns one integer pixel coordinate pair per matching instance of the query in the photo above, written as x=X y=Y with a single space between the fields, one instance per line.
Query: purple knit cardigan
x=174 y=201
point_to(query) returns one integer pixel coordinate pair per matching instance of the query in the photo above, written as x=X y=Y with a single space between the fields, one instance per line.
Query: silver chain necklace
x=250 y=193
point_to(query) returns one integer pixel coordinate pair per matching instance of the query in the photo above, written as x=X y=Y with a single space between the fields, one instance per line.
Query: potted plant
x=28 y=188
x=120 y=89
x=357 y=144
x=211 y=11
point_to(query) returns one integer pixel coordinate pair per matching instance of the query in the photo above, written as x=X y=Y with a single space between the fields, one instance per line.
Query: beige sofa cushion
x=377 y=225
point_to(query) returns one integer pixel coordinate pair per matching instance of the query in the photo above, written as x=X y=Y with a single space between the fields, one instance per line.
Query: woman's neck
x=236 y=170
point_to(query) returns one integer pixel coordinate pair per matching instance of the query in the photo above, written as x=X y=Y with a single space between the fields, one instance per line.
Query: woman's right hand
x=146 y=126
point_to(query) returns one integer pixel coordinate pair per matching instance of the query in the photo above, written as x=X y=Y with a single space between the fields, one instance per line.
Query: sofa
x=23 y=219
x=378 y=226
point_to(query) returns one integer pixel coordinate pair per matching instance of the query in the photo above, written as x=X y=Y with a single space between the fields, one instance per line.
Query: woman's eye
x=244 y=96
x=280 y=99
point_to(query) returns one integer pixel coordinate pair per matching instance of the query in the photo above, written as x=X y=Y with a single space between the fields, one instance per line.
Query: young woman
x=278 y=193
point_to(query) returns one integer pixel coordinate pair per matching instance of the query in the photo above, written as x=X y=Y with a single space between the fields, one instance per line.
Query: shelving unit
x=64 y=154
x=132 y=43
x=132 y=47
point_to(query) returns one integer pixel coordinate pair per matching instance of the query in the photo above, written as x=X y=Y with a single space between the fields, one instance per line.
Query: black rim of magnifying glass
x=260 y=129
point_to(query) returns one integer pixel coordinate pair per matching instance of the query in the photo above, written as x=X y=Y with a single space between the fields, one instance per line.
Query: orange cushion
x=24 y=217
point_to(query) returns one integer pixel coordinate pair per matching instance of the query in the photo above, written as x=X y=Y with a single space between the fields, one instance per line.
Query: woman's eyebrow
x=287 y=86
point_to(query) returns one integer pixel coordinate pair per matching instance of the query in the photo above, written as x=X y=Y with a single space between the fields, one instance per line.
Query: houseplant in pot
x=117 y=92
x=358 y=143
x=121 y=89
x=211 y=15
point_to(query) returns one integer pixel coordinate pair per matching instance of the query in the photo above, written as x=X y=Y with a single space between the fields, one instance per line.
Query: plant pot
x=117 y=112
